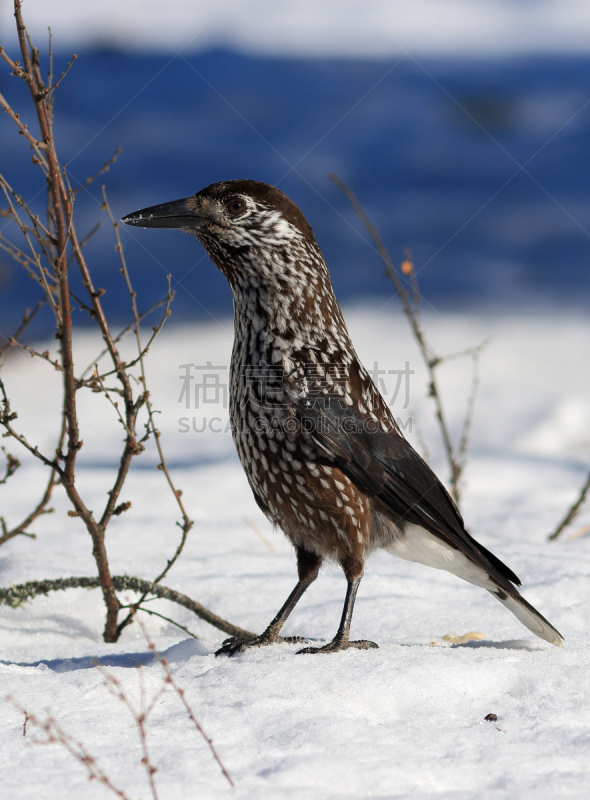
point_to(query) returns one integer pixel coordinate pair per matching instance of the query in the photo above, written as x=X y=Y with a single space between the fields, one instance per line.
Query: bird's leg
x=308 y=566
x=341 y=640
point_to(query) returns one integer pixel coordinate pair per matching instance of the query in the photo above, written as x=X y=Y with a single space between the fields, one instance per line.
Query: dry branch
x=408 y=290
x=41 y=507
x=105 y=168
x=27 y=317
x=55 y=734
x=14 y=596
x=50 y=251
x=140 y=713
x=182 y=697
x=572 y=511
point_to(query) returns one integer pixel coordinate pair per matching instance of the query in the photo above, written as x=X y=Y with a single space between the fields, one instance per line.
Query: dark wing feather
x=386 y=466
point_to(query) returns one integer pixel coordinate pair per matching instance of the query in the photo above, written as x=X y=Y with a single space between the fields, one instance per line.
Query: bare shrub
x=53 y=732
x=49 y=248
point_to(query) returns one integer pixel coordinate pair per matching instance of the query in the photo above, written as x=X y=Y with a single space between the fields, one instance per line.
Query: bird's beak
x=177 y=214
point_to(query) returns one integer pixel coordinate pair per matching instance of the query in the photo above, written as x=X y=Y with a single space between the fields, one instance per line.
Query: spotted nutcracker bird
x=321 y=450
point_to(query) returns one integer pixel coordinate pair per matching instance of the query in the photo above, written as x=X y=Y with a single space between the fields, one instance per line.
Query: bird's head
x=264 y=246
x=240 y=221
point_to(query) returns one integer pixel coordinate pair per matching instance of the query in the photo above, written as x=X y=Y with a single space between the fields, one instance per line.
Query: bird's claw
x=292 y=639
x=235 y=645
x=335 y=645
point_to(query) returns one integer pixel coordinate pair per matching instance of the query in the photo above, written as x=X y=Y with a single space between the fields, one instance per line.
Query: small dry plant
x=572 y=513
x=408 y=291
x=49 y=248
x=141 y=712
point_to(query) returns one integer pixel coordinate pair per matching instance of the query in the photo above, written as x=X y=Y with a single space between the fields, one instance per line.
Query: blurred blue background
x=479 y=163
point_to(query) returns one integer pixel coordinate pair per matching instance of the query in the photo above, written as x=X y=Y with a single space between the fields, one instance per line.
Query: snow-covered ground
x=307 y=28
x=404 y=720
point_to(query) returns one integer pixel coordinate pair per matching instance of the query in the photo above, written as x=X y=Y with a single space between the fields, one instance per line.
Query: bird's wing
x=385 y=466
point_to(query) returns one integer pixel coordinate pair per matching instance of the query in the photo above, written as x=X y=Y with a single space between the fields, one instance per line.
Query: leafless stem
x=53 y=248
x=162 y=616
x=55 y=734
x=105 y=168
x=461 y=455
x=54 y=241
x=186 y=523
x=37 y=146
x=44 y=356
x=19 y=256
x=50 y=54
x=120 y=335
x=52 y=86
x=42 y=236
x=41 y=507
x=14 y=596
x=102 y=388
x=7 y=416
x=12 y=464
x=573 y=510
x=140 y=716
x=86 y=239
x=182 y=697
x=27 y=317
x=140 y=713
x=410 y=298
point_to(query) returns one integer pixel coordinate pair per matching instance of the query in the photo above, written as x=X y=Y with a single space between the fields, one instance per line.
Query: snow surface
x=306 y=28
x=404 y=720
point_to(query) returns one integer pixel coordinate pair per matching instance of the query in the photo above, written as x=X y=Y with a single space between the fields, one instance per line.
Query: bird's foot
x=336 y=645
x=235 y=645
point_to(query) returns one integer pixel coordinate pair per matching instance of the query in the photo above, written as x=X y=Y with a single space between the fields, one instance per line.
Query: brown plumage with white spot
x=319 y=445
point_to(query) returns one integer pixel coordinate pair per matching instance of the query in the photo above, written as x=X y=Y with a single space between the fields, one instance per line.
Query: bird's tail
x=528 y=615
x=421 y=546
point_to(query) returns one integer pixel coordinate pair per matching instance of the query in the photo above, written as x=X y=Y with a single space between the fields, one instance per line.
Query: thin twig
x=468 y=419
x=456 y=456
x=55 y=734
x=14 y=596
x=19 y=256
x=50 y=56
x=6 y=418
x=105 y=168
x=259 y=533
x=41 y=507
x=140 y=712
x=580 y=532
x=127 y=329
x=573 y=510
x=51 y=87
x=12 y=464
x=27 y=317
x=44 y=356
x=468 y=351
x=42 y=274
x=140 y=716
x=102 y=388
x=182 y=697
x=86 y=239
x=186 y=523
x=37 y=146
x=162 y=616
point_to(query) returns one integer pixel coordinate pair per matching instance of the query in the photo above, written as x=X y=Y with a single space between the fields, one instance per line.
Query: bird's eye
x=236 y=207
